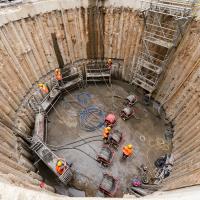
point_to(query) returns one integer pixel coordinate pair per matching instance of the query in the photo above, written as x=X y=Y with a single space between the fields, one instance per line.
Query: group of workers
x=58 y=76
x=60 y=165
x=127 y=149
x=43 y=86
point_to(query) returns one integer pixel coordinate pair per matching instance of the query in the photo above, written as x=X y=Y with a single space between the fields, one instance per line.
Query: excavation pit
x=69 y=140
x=153 y=45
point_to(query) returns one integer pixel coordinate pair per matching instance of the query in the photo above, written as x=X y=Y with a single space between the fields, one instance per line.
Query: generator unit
x=115 y=138
x=130 y=100
x=105 y=156
x=110 y=120
x=109 y=185
x=127 y=113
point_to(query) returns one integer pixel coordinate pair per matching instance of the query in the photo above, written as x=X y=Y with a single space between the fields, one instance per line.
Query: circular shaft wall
x=82 y=33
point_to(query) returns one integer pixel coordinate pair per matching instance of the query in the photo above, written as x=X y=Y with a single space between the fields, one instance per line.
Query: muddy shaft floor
x=78 y=146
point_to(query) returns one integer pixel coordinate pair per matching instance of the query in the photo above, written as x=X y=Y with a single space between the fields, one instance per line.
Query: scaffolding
x=97 y=72
x=165 y=22
x=50 y=159
x=71 y=79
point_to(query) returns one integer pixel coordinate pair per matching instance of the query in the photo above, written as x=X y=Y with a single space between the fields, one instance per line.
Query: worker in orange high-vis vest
x=127 y=150
x=60 y=167
x=43 y=88
x=106 y=133
x=58 y=75
x=109 y=63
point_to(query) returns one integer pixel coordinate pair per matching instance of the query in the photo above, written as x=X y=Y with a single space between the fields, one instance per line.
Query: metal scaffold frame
x=165 y=21
x=70 y=79
x=97 y=72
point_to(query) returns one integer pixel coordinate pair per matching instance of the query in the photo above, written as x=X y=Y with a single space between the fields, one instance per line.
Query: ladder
x=50 y=159
x=165 y=22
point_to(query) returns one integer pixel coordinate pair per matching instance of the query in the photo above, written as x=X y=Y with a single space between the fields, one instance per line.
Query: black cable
x=72 y=142
x=88 y=142
x=82 y=152
x=62 y=148
x=85 y=153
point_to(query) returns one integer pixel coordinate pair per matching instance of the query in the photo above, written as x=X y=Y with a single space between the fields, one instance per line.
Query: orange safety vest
x=106 y=133
x=44 y=89
x=109 y=64
x=60 y=169
x=127 y=151
x=58 y=75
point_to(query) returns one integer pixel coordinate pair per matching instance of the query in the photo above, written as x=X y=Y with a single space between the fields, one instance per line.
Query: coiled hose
x=83 y=98
x=91 y=118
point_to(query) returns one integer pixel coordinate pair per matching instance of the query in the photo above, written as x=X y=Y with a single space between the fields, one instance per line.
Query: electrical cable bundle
x=91 y=118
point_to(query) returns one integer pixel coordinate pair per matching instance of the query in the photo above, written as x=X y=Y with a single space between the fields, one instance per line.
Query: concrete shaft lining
x=27 y=55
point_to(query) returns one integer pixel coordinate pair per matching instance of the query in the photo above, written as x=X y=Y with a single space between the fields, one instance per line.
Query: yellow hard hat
x=40 y=84
x=59 y=163
x=109 y=128
x=130 y=146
